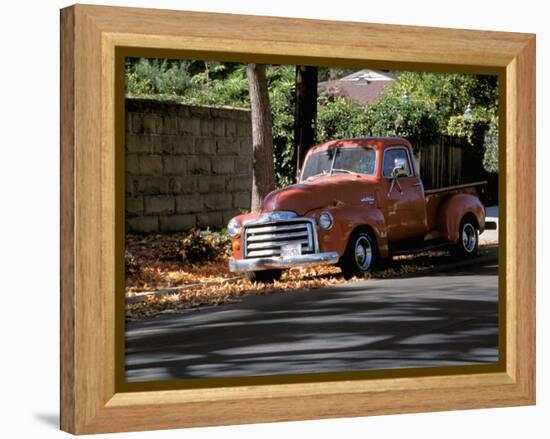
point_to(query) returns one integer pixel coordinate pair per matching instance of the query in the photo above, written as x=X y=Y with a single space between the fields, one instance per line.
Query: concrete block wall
x=186 y=165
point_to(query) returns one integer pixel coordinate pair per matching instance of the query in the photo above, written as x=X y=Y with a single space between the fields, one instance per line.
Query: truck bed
x=434 y=197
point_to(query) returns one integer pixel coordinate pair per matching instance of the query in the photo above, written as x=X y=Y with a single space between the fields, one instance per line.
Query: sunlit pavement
x=490 y=235
x=441 y=319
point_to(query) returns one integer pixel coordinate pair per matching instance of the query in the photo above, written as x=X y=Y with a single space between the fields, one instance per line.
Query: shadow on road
x=362 y=326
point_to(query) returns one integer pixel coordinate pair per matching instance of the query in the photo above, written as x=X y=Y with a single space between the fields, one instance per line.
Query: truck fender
x=453 y=209
x=346 y=219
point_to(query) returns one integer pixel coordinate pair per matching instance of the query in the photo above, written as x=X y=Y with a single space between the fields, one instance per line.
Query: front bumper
x=267 y=263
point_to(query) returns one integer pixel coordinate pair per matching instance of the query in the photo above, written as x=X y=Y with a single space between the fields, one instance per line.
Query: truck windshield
x=350 y=160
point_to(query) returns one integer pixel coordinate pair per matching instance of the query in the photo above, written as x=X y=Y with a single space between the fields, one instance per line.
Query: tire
x=265 y=276
x=360 y=256
x=468 y=239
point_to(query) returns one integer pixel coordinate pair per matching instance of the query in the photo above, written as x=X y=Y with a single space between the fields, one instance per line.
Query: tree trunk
x=305 y=115
x=263 y=173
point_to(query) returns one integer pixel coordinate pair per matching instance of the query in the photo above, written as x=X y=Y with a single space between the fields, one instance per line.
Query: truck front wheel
x=468 y=238
x=360 y=255
x=266 y=276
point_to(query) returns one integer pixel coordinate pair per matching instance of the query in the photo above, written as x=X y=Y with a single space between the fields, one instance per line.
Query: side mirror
x=399 y=168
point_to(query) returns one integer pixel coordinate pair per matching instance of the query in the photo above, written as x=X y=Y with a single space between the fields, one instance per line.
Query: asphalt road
x=443 y=319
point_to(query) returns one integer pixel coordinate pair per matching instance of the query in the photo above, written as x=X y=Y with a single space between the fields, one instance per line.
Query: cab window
x=391 y=158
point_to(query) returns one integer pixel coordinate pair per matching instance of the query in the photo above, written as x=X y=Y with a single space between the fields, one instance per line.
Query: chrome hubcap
x=469 y=238
x=363 y=253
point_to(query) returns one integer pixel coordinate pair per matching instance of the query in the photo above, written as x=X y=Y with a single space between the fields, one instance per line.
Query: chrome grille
x=266 y=239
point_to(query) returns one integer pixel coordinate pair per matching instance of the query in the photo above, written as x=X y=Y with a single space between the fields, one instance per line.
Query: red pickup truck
x=357 y=202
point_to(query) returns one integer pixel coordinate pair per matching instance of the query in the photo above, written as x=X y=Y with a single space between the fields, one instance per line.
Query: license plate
x=291 y=250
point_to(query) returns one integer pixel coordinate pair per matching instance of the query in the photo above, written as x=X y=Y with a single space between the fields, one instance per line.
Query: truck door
x=405 y=205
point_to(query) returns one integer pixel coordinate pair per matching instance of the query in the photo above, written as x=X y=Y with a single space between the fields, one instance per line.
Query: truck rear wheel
x=266 y=276
x=468 y=238
x=360 y=256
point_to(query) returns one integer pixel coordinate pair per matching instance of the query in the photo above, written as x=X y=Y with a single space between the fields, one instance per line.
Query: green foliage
x=156 y=77
x=340 y=118
x=446 y=95
x=204 y=245
x=444 y=98
x=436 y=104
x=468 y=128
x=281 y=85
x=190 y=82
x=228 y=90
x=490 y=156
x=221 y=84
x=481 y=131
x=393 y=117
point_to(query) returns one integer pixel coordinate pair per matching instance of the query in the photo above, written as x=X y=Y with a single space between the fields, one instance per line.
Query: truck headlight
x=234 y=228
x=326 y=220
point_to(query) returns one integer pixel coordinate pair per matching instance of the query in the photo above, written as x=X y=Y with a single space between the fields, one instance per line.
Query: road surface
x=441 y=319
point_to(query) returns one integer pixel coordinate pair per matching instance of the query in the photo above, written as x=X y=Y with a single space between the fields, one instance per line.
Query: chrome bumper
x=267 y=263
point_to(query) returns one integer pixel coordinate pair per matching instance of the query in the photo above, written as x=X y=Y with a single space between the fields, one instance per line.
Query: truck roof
x=373 y=141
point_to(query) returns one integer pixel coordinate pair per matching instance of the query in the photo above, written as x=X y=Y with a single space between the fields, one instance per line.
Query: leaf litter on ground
x=157 y=264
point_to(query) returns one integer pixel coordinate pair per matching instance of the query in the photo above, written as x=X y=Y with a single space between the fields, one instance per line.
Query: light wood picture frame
x=94 y=40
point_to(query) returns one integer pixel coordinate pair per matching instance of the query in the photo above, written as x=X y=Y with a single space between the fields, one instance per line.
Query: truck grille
x=267 y=239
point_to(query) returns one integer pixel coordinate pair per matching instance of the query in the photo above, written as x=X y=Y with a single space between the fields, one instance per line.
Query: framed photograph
x=268 y=219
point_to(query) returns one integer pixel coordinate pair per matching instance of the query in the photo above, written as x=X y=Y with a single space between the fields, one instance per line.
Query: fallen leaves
x=161 y=264
x=212 y=295
x=207 y=283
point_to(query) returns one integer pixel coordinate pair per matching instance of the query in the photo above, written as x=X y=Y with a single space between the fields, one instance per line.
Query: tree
x=447 y=95
x=305 y=113
x=263 y=174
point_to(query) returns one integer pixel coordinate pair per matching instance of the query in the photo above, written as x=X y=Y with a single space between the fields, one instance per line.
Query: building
x=363 y=86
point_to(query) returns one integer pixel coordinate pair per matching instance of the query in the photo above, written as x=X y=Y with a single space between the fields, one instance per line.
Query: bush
x=446 y=95
x=412 y=120
x=159 y=77
x=204 y=246
x=281 y=83
x=480 y=131
x=490 y=156
x=338 y=118
x=470 y=128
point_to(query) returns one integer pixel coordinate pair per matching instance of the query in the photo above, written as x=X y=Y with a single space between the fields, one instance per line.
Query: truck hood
x=320 y=193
